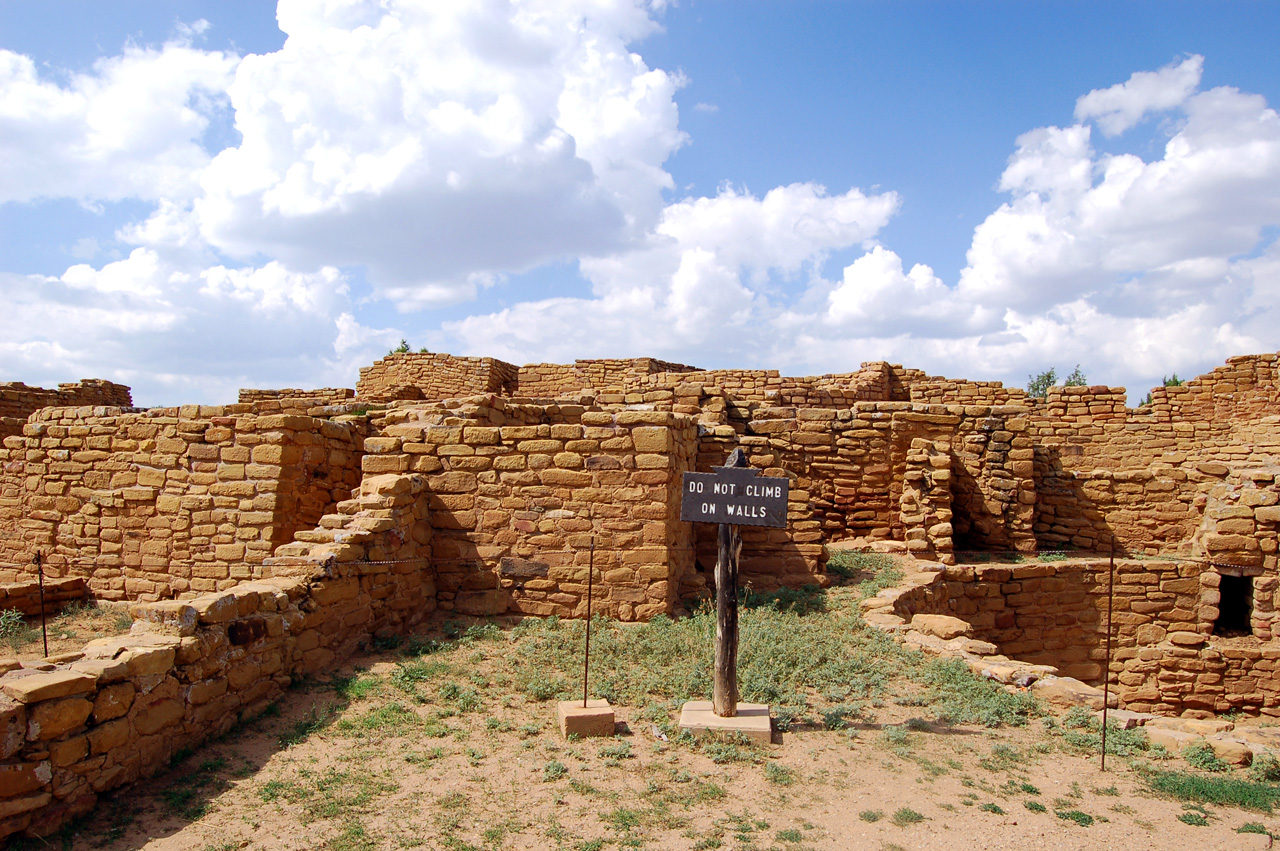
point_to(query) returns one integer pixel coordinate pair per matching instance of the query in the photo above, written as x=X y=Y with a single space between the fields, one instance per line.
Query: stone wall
x=26 y=596
x=295 y=398
x=431 y=376
x=517 y=494
x=1166 y=656
x=18 y=401
x=167 y=501
x=192 y=669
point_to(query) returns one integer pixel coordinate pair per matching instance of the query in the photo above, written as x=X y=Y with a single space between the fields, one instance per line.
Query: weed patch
x=1207 y=789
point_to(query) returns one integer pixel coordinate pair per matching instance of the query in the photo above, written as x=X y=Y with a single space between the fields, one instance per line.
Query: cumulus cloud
x=1133 y=268
x=178 y=334
x=710 y=279
x=130 y=129
x=417 y=154
x=432 y=142
x=1120 y=107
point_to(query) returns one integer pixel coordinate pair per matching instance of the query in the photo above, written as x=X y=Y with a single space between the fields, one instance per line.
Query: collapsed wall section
x=168 y=501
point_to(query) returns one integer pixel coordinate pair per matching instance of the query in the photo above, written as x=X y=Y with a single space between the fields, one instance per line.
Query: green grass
x=871 y=816
x=1210 y=789
x=779 y=775
x=1081 y=818
x=797 y=650
x=1200 y=754
x=1035 y=806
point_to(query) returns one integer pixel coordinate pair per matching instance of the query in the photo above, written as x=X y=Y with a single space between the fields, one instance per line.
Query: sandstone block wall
x=1166 y=658
x=18 y=401
x=25 y=596
x=167 y=501
x=517 y=493
x=432 y=376
x=192 y=669
x=295 y=398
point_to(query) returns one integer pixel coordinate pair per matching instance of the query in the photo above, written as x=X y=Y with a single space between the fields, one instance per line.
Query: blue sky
x=189 y=204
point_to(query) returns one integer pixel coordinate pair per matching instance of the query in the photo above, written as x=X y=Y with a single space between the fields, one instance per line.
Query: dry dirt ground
x=69 y=630
x=446 y=754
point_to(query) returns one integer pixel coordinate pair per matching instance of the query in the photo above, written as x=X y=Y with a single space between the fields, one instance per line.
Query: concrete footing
x=594 y=719
x=752 y=720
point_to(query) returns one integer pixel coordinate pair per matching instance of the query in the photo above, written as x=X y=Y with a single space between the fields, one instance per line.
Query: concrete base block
x=594 y=719
x=752 y=720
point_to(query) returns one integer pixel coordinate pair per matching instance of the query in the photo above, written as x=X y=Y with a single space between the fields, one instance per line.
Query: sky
x=198 y=196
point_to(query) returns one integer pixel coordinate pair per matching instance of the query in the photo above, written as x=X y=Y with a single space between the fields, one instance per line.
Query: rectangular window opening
x=1235 y=609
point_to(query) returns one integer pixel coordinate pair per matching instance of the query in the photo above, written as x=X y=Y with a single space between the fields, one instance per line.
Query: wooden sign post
x=734 y=495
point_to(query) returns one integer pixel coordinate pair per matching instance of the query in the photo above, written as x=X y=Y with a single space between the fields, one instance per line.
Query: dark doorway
x=1235 y=609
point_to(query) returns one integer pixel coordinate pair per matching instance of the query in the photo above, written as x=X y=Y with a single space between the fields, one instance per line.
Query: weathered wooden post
x=724 y=694
x=735 y=495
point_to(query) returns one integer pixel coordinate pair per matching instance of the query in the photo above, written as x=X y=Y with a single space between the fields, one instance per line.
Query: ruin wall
x=168 y=501
x=192 y=669
x=294 y=398
x=431 y=376
x=18 y=401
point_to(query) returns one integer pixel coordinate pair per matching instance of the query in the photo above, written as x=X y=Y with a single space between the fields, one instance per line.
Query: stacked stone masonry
x=267 y=539
x=168 y=501
x=18 y=401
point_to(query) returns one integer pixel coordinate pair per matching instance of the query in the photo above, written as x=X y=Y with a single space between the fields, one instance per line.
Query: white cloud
x=1123 y=105
x=707 y=282
x=447 y=147
x=434 y=141
x=130 y=129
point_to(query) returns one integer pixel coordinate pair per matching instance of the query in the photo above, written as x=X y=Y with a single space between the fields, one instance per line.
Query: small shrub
x=1195 y=819
x=1082 y=819
x=904 y=816
x=1200 y=754
x=1265 y=768
x=1035 y=806
x=617 y=749
x=553 y=770
x=1226 y=791
x=1252 y=827
x=871 y=816
x=779 y=774
x=990 y=807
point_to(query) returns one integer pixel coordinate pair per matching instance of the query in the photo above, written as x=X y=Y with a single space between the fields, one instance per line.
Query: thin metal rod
x=44 y=630
x=1106 y=681
x=586 y=650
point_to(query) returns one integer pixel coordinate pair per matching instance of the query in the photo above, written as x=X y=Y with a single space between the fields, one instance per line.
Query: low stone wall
x=25 y=597
x=1166 y=658
x=299 y=398
x=18 y=401
x=192 y=669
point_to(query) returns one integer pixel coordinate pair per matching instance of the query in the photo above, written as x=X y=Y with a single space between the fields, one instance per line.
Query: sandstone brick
x=51 y=719
x=47 y=686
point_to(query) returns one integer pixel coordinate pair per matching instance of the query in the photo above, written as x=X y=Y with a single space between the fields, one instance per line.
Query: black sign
x=739 y=496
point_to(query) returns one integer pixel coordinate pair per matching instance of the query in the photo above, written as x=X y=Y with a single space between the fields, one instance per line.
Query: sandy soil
x=69 y=630
x=344 y=772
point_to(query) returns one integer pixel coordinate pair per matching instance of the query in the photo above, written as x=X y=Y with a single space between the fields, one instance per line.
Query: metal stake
x=44 y=630
x=1106 y=682
x=586 y=651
